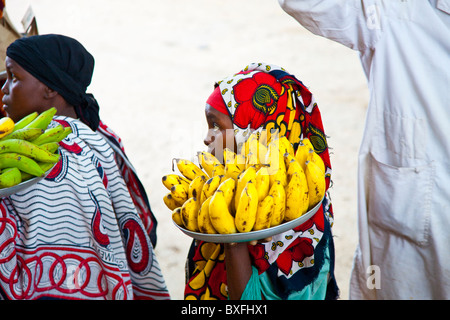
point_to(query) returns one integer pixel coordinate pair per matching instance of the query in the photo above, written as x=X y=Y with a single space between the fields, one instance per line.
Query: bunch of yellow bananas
x=262 y=186
x=28 y=148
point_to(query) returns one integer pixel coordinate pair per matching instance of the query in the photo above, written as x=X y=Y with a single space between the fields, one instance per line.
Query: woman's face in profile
x=220 y=133
x=23 y=93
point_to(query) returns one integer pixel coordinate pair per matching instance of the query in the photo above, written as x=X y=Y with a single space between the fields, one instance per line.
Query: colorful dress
x=81 y=232
x=266 y=97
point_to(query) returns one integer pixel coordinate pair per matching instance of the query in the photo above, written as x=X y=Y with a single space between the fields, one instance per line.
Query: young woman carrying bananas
x=299 y=263
x=83 y=232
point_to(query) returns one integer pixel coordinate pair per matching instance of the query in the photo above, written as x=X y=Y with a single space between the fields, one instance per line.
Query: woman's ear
x=49 y=93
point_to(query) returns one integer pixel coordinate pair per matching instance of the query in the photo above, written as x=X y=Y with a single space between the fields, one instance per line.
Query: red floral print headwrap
x=264 y=96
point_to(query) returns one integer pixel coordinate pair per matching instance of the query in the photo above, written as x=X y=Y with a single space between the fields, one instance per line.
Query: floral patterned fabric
x=261 y=97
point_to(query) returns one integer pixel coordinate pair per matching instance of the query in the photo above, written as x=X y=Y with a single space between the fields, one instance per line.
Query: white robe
x=404 y=166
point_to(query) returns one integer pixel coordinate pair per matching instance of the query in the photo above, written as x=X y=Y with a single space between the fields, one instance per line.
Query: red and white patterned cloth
x=77 y=234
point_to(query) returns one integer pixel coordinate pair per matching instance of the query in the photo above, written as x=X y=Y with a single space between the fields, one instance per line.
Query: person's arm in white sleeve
x=353 y=23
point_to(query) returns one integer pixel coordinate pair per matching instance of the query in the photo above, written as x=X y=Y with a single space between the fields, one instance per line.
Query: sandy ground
x=156 y=62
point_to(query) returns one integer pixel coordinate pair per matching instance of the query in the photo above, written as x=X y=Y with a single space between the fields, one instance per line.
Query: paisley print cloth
x=77 y=233
x=259 y=97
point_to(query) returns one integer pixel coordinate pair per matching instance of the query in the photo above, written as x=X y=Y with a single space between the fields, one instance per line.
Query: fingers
x=252 y=242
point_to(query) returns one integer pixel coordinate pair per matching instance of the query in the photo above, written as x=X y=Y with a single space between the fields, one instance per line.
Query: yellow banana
x=204 y=221
x=218 y=170
x=220 y=216
x=274 y=157
x=302 y=153
x=189 y=214
x=262 y=151
x=252 y=160
x=49 y=135
x=316 y=183
x=247 y=206
x=10 y=177
x=262 y=183
x=24 y=134
x=263 y=138
x=28 y=149
x=279 y=203
x=231 y=169
x=228 y=187
x=255 y=151
x=170 y=202
x=260 y=148
x=307 y=143
x=228 y=156
x=42 y=120
x=314 y=157
x=276 y=163
x=179 y=193
x=296 y=197
x=196 y=186
x=25 y=121
x=241 y=162
x=210 y=186
x=176 y=216
x=272 y=134
x=248 y=175
x=208 y=161
x=264 y=213
x=286 y=146
x=6 y=126
x=292 y=167
x=249 y=144
x=279 y=175
x=188 y=169
x=172 y=179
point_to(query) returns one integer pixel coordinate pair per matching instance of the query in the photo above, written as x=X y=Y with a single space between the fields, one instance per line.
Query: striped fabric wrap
x=77 y=234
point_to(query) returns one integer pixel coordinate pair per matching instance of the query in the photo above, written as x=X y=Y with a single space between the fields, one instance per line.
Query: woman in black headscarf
x=64 y=66
x=86 y=231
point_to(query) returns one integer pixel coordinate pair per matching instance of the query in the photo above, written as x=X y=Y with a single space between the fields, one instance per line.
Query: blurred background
x=156 y=63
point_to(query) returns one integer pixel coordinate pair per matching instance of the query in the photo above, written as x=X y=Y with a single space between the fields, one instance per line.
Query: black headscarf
x=64 y=65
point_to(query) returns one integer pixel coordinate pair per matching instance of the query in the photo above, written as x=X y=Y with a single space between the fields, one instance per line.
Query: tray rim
x=6 y=192
x=252 y=235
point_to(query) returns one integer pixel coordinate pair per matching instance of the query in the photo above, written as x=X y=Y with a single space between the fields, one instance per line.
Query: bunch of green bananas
x=262 y=186
x=28 y=148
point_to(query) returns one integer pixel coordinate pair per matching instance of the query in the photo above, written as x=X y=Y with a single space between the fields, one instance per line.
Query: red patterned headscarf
x=264 y=96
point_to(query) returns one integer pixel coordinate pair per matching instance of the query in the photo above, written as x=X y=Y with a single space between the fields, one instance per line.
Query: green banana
x=10 y=177
x=45 y=166
x=23 y=163
x=49 y=135
x=28 y=149
x=63 y=134
x=43 y=119
x=22 y=123
x=24 y=134
x=51 y=147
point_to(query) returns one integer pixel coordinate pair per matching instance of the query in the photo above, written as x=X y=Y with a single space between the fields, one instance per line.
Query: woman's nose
x=5 y=87
x=209 y=138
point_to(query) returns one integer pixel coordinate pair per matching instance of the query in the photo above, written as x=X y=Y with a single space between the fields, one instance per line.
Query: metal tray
x=252 y=235
x=5 y=192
